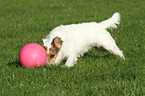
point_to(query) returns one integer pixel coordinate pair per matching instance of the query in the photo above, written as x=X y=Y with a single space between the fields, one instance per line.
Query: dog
x=71 y=41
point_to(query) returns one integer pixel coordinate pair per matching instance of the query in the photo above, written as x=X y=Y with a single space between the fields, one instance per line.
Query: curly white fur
x=79 y=38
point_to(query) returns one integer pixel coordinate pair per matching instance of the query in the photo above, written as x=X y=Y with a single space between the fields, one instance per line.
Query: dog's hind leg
x=113 y=48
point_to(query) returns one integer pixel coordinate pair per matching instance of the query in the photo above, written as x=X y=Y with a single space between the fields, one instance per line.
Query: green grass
x=95 y=74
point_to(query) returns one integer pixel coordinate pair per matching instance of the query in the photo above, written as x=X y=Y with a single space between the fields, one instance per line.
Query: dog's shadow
x=97 y=53
x=16 y=63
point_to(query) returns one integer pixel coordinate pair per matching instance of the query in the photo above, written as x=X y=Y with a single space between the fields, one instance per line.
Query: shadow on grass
x=98 y=53
x=107 y=55
x=15 y=63
x=18 y=64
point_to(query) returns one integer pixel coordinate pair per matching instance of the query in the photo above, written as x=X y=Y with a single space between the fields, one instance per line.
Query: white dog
x=71 y=41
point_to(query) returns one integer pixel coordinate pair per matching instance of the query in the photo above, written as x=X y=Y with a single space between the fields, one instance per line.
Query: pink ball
x=33 y=55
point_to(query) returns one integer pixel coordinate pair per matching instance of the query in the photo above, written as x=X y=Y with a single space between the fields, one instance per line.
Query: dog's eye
x=51 y=56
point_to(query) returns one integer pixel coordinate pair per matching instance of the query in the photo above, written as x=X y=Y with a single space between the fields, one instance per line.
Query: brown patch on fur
x=54 y=49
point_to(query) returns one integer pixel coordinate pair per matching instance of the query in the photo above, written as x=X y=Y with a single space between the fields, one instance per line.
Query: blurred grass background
x=97 y=73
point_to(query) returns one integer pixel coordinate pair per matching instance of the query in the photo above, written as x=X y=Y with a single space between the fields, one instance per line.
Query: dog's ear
x=57 y=42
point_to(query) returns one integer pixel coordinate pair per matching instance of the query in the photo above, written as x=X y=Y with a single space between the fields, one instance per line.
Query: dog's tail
x=111 y=22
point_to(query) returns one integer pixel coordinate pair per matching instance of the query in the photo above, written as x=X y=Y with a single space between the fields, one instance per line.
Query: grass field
x=97 y=73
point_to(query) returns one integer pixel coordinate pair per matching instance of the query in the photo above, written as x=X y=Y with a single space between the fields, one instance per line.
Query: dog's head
x=52 y=49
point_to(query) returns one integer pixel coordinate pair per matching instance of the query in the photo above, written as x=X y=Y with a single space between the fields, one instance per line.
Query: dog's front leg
x=70 y=61
x=59 y=58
